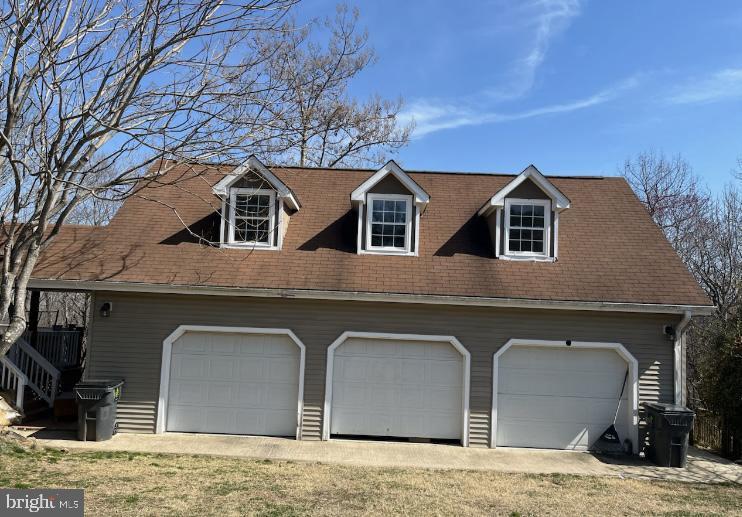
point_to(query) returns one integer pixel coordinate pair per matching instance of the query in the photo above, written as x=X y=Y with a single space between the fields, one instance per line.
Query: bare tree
x=706 y=231
x=670 y=192
x=317 y=123
x=715 y=251
x=90 y=83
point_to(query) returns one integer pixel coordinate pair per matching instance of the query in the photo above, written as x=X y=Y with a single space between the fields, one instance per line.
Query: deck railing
x=13 y=379
x=62 y=348
x=41 y=376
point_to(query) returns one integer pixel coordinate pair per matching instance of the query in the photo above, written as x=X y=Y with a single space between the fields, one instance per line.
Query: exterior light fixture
x=105 y=309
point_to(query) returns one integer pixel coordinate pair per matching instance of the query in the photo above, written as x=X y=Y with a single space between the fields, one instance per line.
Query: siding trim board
x=315 y=294
x=167 y=346
x=633 y=392
x=397 y=337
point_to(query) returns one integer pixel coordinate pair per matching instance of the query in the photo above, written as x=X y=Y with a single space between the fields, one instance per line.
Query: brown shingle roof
x=609 y=248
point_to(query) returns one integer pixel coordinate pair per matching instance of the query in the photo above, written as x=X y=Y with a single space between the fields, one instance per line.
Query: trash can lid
x=662 y=407
x=100 y=383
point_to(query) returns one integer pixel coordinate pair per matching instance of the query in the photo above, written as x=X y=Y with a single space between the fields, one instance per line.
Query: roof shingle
x=609 y=248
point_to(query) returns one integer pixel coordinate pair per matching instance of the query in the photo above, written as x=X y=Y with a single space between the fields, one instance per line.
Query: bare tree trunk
x=18 y=315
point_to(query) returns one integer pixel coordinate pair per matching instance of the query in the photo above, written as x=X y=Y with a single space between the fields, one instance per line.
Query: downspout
x=678 y=356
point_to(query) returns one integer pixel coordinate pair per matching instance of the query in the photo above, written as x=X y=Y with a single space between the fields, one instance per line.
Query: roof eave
x=524 y=303
x=358 y=196
x=253 y=163
x=561 y=202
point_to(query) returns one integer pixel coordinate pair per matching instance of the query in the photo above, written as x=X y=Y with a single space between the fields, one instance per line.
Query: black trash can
x=96 y=408
x=669 y=426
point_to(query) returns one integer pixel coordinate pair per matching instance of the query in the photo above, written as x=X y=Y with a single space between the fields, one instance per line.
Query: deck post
x=33 y=319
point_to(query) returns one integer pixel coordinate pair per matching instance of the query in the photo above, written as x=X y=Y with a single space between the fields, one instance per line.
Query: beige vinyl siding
x=528 y=190
x=128 y=344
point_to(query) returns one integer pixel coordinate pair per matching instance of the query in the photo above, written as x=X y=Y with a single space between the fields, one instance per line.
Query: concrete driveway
x=702 y=466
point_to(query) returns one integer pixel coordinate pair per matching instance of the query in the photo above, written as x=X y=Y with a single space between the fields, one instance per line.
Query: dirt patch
x=122 y=484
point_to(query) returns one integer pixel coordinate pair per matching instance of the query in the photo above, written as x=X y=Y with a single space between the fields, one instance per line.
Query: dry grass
x=146 y=484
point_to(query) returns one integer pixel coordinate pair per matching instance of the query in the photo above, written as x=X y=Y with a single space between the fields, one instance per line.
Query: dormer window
x=389 y=222
x=256 y=207
x=252 y=216
x=523 y=218
x=527 y=224
x=389 y=205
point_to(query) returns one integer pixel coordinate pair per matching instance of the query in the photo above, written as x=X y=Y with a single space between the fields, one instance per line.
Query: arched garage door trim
x=403 y=337
x=633 y=386
x=167 y=348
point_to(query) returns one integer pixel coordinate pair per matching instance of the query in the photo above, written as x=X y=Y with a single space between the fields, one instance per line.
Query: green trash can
x=96 y=408
x=669 y=427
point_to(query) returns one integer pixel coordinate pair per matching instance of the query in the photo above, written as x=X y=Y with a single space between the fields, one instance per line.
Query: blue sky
x=574 y=87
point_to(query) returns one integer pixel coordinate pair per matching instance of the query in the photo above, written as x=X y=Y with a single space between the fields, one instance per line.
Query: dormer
x=389 y=205
x=523 y=218
x=256 y=207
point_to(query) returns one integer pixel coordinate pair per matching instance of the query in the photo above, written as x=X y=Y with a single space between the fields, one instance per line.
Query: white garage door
x=397 y=388
x=234 y=384
x=558 y=398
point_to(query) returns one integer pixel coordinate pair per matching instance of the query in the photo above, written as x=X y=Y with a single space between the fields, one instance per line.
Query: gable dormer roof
x=359 y=194
x=561 y=202
x=252 y=164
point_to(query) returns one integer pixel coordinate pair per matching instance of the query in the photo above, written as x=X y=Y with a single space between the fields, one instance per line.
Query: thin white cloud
x=542 y=21
x=722 y=85
x=430 y=116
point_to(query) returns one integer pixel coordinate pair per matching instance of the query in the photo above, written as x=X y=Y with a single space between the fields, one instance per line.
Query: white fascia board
x=252 y=163
x=561 y=202
x=420 y=196
x=312 y=294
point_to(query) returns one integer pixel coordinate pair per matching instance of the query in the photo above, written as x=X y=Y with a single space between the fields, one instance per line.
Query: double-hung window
x=389 y=223
x=527 y=224
x=252 y=217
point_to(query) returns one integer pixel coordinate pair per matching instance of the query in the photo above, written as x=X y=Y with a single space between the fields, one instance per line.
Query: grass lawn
x=148 y=484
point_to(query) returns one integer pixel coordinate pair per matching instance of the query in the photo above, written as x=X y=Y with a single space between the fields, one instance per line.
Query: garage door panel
x=281 y=395
x=439 y=397
x=445 y=373
x=350 y=368
x=221 y=368
x=383 y=369
x=443 y=352
x=185 y=392
x=220 y=394
x=558 y=398
x=559 y=435
x=190 y=343
x=413 y=397
x=392 y=387
x=449 y=424
x=556 y=409
x=560 y=359
x=281 y=368
x=234 y=383
x=251 y=368
x=413 y=371
x=593 y=384
x=189 y=367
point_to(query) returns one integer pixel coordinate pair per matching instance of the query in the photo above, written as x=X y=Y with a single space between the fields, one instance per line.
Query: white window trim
x=167 y=350
x=455 y=343
x=528 y=255
x=273 y=222
x=386 y=250
x=632 y=411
